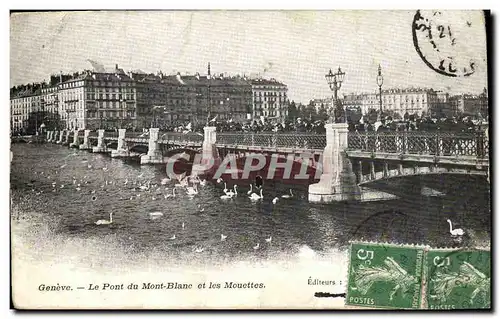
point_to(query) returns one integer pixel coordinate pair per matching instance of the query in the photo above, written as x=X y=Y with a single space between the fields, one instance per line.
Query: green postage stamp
x=418 y=277
x=458 y=279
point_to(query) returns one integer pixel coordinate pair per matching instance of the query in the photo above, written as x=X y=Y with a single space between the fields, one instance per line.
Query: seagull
x=78 y=189
x=156 y=214
x=63 y=166
x=104 y=168
x=268 y=240
x=126 y=182
x=275 y=200
x=199 y=249
x=256 y=246
x=223 y=237
x=173 y=237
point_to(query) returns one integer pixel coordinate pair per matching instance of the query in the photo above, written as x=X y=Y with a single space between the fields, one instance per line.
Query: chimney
x=197 y=75
x=116 y=66
x=208 y=68
x=60 y=76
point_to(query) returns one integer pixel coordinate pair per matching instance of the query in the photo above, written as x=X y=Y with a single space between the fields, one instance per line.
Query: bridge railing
x=181 y=137
x=294 y=141
x=417 y=142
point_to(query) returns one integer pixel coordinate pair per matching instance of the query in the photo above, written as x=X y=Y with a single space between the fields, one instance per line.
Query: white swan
x=254 y=196
x=156 y=214
x=105 y=221
x=203 y=182
x=455 y=232
x=287 y=195
x=165 y=181
x=231 y=193
x=269 y=239
x=173 y=237
x=170 y=195
x=191 y=191
x=250 y=191
x=226 y=196
x=275 y=200
x=257 y=246
x=225 y=188
x=223 y=237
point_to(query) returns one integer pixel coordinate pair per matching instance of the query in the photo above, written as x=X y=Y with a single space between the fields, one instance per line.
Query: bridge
x=349 y=162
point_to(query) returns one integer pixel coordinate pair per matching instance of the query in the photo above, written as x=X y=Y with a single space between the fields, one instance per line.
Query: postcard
x=250 y=160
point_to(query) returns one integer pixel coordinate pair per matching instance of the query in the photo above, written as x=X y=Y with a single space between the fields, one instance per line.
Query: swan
x=170 y=195
x=191 y=191
x=78 y=189
x=269 y=239
x=254 y=196
x=105 y=221
x=250 y=191
x=155 y=214
x=199 y=249
x=225 y=188
x=203 y=182
x=456 y=231
x=231 y=193
x=288 y=196
x=219 y=180
x=223 y=237
x=173 y=237
x=226 y=196
x=165 y=181
x=275 y=200
x=256 y=246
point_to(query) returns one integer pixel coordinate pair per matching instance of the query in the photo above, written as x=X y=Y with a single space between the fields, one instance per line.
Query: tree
x=372 y=115
x=293 y=112
x=322 y=113
x=310 y=111
x=353 y=114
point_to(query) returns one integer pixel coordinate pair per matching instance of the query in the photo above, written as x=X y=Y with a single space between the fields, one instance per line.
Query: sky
x=295 y=47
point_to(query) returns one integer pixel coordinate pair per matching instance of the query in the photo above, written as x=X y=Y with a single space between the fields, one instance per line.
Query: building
x=443 y=106
x=92 y=100
x=319 y=103
x=269 y=99
x=24 y=108
x=179 y=99
x=397 y=101
x=49 y=104
x=471 y=105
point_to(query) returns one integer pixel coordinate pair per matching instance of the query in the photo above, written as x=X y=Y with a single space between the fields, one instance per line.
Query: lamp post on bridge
x=334 y=81
x=380 y=81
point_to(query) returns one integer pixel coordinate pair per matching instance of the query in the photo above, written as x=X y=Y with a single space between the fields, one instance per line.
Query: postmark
x=458 y=279
x=384 y=276
x=442 y=40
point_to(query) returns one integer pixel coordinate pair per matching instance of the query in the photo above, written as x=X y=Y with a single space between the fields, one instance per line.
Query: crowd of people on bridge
x=299 y=125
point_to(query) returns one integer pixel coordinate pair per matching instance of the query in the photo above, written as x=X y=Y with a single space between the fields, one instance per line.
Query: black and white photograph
x=250 y=159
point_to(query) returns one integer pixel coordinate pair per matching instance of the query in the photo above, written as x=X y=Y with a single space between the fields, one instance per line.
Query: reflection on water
x=69 y=190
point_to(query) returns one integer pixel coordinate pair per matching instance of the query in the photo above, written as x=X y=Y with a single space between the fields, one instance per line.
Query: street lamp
x=380 y=81
x=334 y=81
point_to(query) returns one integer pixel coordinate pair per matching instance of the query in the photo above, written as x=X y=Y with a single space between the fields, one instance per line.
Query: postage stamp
x=384 y=275
x=458 y=279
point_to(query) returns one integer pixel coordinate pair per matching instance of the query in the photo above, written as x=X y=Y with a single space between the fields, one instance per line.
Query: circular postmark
x=445 y=40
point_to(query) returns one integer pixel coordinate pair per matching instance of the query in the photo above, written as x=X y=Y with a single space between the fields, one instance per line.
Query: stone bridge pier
x=66 y=139
x=61 y=136
x=76 y=141
x=210 y=160
x=121 y=150
x=154 y=155
x=337 y=181
x=101 y=144
x=86 y=143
